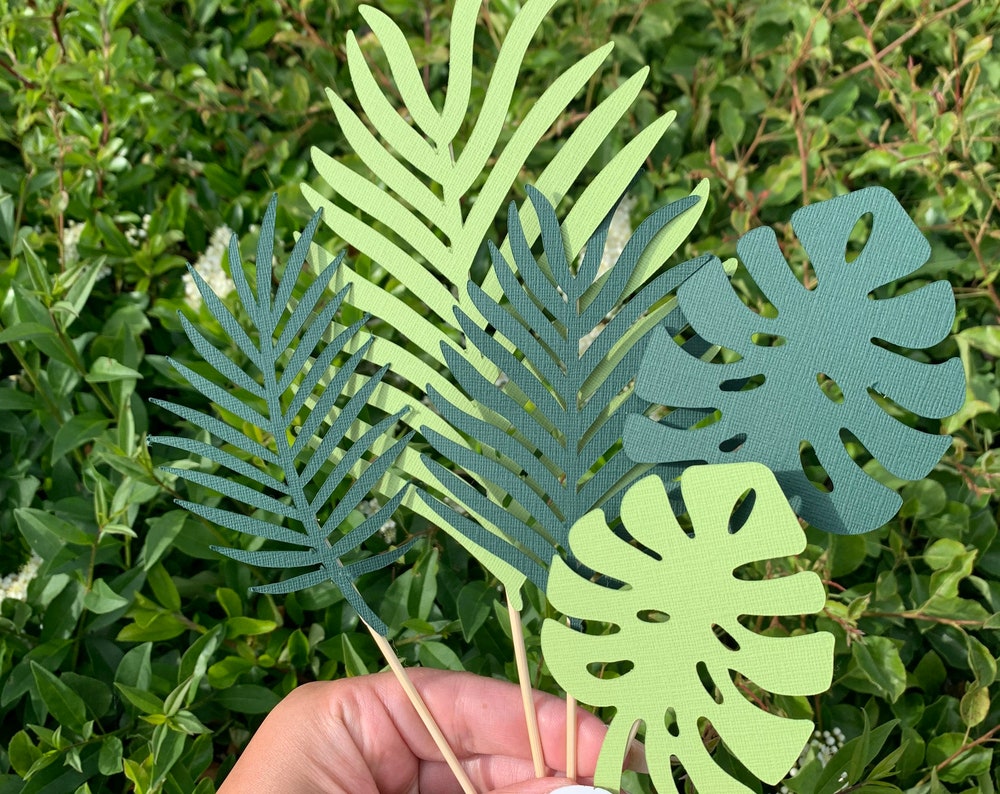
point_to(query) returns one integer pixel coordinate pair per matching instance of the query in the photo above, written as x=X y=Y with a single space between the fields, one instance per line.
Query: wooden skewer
x=570 y=737
x=571 y=748
x=421 y=708
x=524 y=679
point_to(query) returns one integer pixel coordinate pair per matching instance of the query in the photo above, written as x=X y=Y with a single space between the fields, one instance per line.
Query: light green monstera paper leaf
x=677 y=619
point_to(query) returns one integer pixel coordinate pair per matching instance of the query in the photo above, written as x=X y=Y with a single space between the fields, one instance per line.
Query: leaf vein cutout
x=691 y=580
x=282 y=417
x=833 y=331
x=545 y=459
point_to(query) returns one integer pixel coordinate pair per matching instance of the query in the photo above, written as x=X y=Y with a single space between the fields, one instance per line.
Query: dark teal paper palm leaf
x=836 y=336
x=554 y=455
x=288 y=387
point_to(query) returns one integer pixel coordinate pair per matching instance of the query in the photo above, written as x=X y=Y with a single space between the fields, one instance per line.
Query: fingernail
x=579 y=790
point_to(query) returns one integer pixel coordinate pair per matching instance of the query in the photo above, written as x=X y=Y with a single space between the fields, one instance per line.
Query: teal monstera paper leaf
x=550 y=457
x=774 y=397
x=281 y=469
x=677 y=618
x=426 y=182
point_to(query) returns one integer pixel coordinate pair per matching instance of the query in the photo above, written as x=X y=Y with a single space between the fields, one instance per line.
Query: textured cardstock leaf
x=823 y=368
x=430 y=179
x=280 y=394
x=676 y=619
x=547 y=458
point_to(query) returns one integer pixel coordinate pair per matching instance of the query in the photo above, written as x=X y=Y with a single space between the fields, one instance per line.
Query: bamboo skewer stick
x=421 y=708
x=571 y=746
x=570 y=737
x=524 y=680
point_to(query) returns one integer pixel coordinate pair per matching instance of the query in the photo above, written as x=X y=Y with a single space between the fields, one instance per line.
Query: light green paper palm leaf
x=409 y=217
x=287 y=392
x=405 y=207
x=691 y=581
x=428 y=194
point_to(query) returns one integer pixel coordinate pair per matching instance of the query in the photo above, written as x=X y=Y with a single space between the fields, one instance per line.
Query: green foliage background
x=139 y=661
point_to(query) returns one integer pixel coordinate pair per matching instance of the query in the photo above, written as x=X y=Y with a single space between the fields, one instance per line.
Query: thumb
x=549 y=785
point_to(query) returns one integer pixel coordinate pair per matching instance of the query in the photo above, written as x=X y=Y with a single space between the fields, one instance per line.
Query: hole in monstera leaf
x=830 y=388
x=864 y=459
x=709 y=736
x=670 y=722
x=858 y=238
x=734 y=443
x=767 y=340
x=724 y=637
x=813 y=469
x=741 y=511
x=682 y=780
x=706 y=681
x=750 y=572
x=614 y=669
x=743 y=384
x=750 y=292
x=652 y=616
x=859 y=452
x=897 y=411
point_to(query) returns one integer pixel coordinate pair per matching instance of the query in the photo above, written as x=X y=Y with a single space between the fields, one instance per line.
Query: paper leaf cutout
x=276 y=415
x=555 y=452
x=428 y=192
x=835 y=331
x=678 y=593
x=407 y=212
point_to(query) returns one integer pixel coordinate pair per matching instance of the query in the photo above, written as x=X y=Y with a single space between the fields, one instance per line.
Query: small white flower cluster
x=136 y=234
x=823 y=746
x=209 y=266
x=15 y=585
x=388 y=529
x=72 y=232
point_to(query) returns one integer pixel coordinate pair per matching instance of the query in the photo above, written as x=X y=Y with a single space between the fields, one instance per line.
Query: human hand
x=362 y=736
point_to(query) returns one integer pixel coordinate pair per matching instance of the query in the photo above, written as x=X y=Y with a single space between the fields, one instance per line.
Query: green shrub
x=134 y=136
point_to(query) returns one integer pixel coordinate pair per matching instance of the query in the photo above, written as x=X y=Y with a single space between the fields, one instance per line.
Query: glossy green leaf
x=61 y=701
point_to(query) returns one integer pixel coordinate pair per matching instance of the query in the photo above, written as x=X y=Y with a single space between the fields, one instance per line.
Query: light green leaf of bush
x=61 y=701
x=101 y=599
x=689 y=581
x=968 y=763
x=109 y=762
x=145 y=701
x=22 y=753
x=24 y=331
x=76 y=432
x=248 y=698
x=983 y=337
x=107 y=370
x=875 y=660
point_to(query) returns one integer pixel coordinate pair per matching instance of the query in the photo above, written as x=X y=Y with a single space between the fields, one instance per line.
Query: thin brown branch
x=920 y=25
x=915 y=615
x=9 y=68
x=964 y=748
